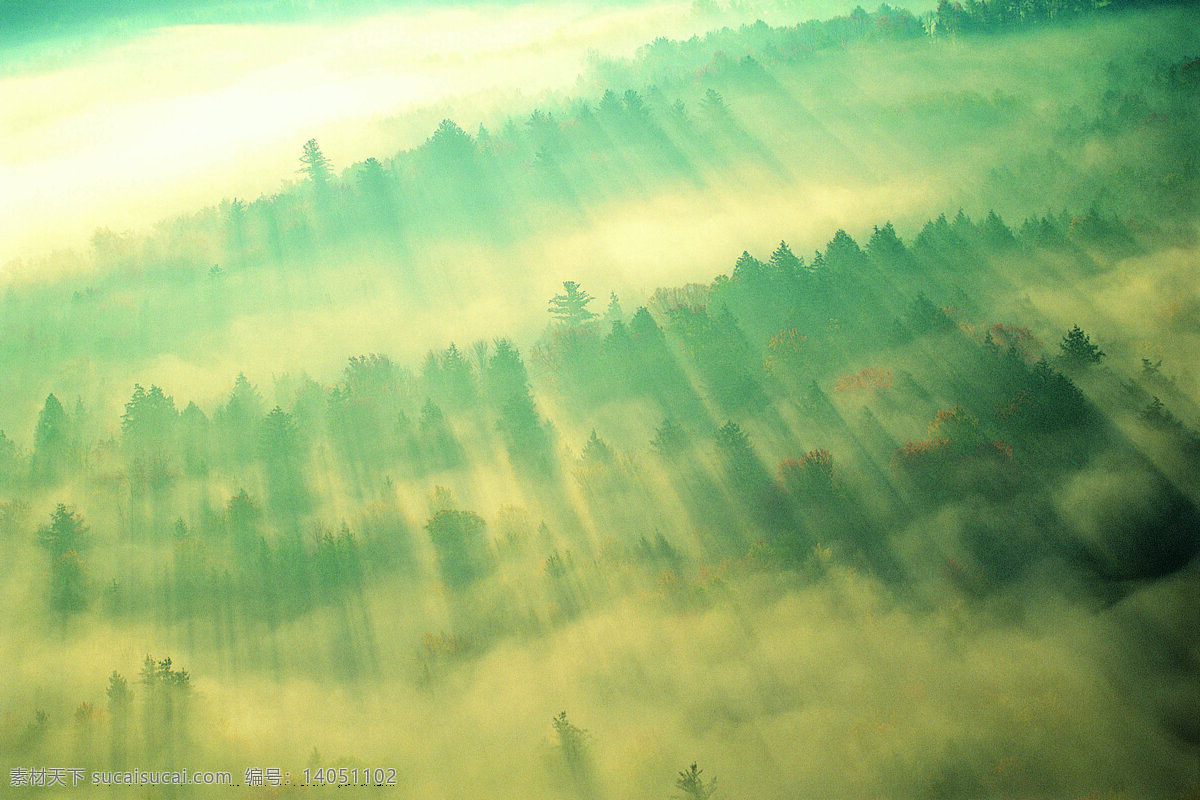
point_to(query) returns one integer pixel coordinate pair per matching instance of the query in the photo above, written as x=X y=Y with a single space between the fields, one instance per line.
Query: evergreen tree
x=51 y=442
x=65 y=533
x=281 y=449
x=570 y=307
x=1078 y=351
x=613 y=314
x=885 y=246
x=315 y=165
x=749 y=269
x=119 y=702
x=458 y=538
x=670 y=439
x=64 y=538
x=239 y=419
x=785 y=263
x=596 y=451
x=9 y=460
x=572 y=740
x=693 y=786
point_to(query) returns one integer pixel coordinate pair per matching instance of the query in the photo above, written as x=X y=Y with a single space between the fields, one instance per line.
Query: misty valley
x=806 y=407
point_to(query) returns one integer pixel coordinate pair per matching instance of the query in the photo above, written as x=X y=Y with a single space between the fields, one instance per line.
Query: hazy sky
x=172 y=118
x=118 y=124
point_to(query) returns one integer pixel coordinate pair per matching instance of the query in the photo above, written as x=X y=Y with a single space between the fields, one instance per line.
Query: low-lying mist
x=780 y=412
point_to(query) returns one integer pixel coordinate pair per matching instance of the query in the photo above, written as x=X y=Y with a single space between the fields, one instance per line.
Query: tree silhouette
x=63 y=538
x=570 y=308
x=65 y=533
x=315 y=165
x=596 y=451
x=670 y=439
x=693 y=786
x=458 y=538
x=1077 y=350
x=785 y=263
x=51 y=442
x=119 y=701
x=572 y=740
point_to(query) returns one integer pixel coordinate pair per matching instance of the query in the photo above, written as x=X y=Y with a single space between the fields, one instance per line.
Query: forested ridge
x=794 y=415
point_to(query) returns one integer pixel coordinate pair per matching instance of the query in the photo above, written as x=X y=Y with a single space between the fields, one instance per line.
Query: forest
x=804 y=406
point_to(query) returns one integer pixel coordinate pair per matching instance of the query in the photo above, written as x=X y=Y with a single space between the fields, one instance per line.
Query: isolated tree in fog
x=570 y=307
x=315 y=165
x=572 y=741
x=614 y=314
x=68 y=583
x=165 y=708
x=693 y=786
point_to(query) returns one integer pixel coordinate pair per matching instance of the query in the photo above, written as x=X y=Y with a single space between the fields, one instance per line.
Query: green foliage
x=239 y=421
x=65 y=533
x=149 y=419
x=275 y=581
x=458 y=538
x=572 y=742
x=595 y=451
x=119 y=697
x=1077 y=350
x=693 y=786
x=570 y=307
x=451 y=143
x=10 y=460
x=925 y=317
x=886 y=247
x=52 y=450
x=786 y=264
x=315 y=165
x=670 y=439
x=810 y=476
x=156 y=674
x=68 y=583
x=282 y=450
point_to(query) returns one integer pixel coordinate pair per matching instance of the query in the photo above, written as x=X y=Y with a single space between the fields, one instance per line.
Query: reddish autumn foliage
x=871 y=380
x=1015 y=337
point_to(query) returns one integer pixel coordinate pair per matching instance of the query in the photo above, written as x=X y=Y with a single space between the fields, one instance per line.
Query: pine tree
x=670 y=439
x=693 y=786
x=1078 y=350
x=570 y=308
x=51 y=442
x=596 y=451
x=786 y=263
x=316 y=166
x=65 y=533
